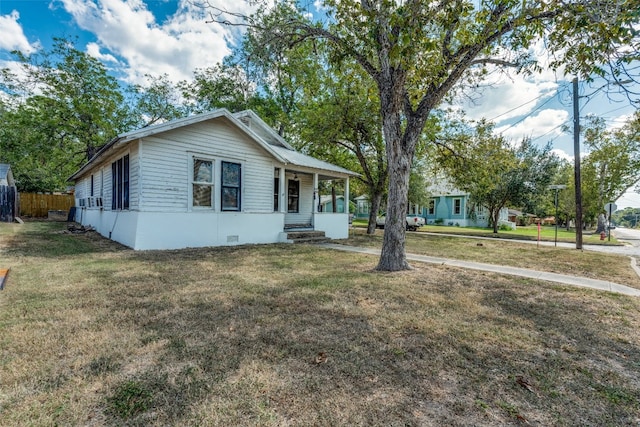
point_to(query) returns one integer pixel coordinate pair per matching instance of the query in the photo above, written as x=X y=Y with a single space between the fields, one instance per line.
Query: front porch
x=301 y=195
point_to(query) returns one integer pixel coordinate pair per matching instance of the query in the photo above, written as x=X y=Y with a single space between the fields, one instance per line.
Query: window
x=294 y=196
x=202 y=184
x=276 y=190
x=120 y=184
x=230 y=194
x=457 y=206
x=91 y=186
x=431 y=210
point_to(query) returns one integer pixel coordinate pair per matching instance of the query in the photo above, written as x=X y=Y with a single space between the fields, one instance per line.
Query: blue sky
x=136 y=37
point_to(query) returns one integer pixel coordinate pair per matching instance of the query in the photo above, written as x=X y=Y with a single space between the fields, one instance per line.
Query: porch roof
x=295 y=158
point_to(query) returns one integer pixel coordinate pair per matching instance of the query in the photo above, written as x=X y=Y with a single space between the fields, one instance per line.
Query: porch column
x=466 y=206
x=282 y=191
x=315 y=193
x=346 y=195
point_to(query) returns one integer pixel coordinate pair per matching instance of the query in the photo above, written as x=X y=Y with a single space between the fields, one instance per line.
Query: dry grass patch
x=595 y=265
x=230 y=336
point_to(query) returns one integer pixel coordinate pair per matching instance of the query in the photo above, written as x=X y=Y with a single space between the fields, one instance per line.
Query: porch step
x=309 y=236
x=299 y=227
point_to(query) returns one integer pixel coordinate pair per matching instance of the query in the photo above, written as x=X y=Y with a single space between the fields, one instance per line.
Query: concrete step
x=307 y=236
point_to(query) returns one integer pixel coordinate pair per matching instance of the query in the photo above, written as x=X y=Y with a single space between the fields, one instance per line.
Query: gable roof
x=6 y=175
x=247 y=121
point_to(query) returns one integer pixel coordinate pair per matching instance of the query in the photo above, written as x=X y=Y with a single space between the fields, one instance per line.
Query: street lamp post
x=557 y=188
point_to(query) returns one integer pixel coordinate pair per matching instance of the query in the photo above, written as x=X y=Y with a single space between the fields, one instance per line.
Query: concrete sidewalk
x=513 y=271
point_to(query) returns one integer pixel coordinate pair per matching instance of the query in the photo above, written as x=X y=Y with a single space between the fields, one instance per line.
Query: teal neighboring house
x=450 y=206
x=326 y=204
x=363 y=207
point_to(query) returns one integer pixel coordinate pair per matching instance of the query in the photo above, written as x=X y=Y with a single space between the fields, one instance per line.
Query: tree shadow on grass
x=586 y=352
x=220 y=347
x=264 y=356
x=47 y=239
x=252 y=356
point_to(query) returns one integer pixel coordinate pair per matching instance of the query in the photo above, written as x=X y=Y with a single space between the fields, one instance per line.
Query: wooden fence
x=38 y=205
x=8 y=203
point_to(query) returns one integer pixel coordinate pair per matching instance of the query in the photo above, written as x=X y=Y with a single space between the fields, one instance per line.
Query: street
x=630 y=235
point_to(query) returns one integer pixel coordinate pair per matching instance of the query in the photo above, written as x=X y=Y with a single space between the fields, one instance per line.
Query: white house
x=206 y=180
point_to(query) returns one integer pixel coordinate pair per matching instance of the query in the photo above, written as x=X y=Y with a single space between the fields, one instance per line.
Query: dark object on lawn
x=4 y=272
x=76 y=229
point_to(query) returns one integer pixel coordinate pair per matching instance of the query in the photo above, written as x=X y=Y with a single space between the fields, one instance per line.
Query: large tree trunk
x=602 y=223
x=376 y=199
x=393 y=257
x=495 y=215
x=399 y=148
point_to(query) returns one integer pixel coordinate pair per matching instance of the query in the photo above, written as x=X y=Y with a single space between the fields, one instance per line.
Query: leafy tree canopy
x=418 y=51
x=495 y=172
x=62 y=108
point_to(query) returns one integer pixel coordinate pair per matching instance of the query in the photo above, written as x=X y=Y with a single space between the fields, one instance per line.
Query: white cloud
x=319 y=5
x=547 y=124
x=510 y=96
x=630 y=199
x=562 y=154
x=13 y=37
x=619 y=121
x=129 y=31
x=93 y=49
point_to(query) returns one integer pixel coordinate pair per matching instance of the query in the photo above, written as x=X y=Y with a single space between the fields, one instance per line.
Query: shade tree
x=418 y=52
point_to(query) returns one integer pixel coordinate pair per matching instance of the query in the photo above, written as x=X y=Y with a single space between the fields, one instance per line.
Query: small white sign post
x=610 y=208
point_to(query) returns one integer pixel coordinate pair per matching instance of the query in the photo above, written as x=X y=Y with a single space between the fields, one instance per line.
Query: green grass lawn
x=95 y=334
x=596 y=265
x=547 y=233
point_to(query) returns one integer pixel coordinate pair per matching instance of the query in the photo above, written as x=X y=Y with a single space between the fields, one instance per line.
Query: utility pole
x=576 y=155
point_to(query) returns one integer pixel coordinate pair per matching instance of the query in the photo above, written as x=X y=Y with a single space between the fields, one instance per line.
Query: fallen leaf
x=321 y=358
x=524 y=383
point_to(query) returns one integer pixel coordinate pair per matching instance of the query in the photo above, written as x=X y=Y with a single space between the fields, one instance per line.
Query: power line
x=551 y=130
x=527 y=116
x=515 y=108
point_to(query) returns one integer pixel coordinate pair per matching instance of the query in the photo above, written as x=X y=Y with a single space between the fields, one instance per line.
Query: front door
x=299 y=201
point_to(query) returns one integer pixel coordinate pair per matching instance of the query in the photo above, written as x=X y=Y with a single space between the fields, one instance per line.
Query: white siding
x=82 y=188
x=102 y=178
x=134 y=175
x=165 y=167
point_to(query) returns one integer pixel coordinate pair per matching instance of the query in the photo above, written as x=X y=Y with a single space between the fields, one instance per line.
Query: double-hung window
x=202 y=183
x=120 y=183
x=231 y=189
x=431 y=210
x=457 y=206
